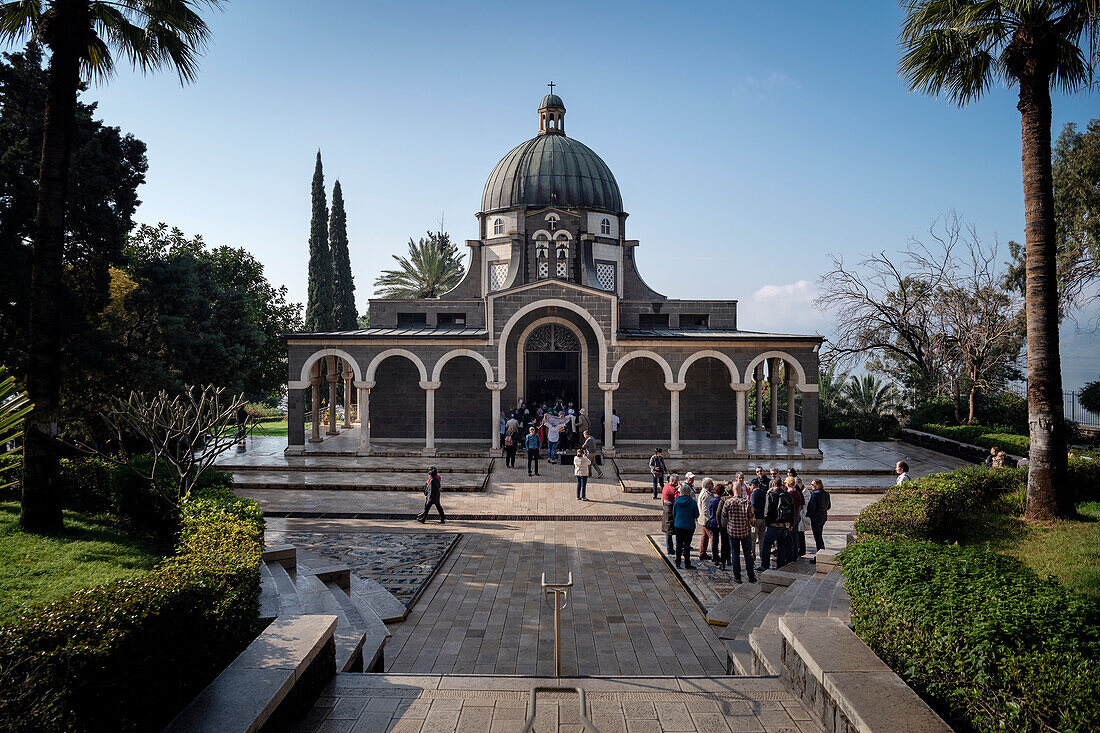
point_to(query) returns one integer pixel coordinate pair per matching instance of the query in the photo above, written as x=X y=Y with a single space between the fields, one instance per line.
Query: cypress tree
x=344 y=314
x=319 y=303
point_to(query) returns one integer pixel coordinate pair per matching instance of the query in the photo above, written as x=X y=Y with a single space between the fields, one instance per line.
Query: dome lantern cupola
x=551 y=114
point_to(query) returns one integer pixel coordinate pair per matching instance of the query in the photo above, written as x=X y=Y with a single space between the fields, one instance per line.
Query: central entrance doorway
x=552 y=365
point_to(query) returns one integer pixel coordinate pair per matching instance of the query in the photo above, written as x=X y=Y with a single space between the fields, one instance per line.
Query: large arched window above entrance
x=553 y=337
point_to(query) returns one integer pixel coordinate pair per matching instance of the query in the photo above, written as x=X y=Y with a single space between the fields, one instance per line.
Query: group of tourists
x=557 y=428
x=740 y=522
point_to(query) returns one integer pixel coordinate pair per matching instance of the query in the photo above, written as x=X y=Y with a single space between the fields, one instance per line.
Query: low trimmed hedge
x=130 y=654
x=984 y=435
x=941 y=506
x=988 y=644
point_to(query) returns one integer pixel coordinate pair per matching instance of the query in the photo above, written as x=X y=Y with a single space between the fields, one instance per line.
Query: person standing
x=689 y=481
x=581 y=468
x=531 y=443
x=685 y=513
x=657 y=469
x=739 y=523
x=432 y=490
x=817 y=509
x=758 y=499
x=779 y=517
x=614 y=428
x=719 y=540
x=761 y=480
x=705 y=520
x=503 y=427
x=511 y=441
x=242 y=424
x=589 y=446
x=739 y=487
x=553 y=435
x=668 y=497
x=902 y=470
x=582 y=424
x=795 y=533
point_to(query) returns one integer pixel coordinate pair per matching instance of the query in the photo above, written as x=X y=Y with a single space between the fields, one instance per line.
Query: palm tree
x=960 y=48
x=433 y=267
x=14 y=407
x=82 y=36
x=869 y=398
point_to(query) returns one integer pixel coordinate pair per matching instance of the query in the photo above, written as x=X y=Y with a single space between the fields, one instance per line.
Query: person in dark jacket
x=817 y=510
x=779 y=513
x=685 y=513
x=758 y=498
x=432 y=490
x=658 y=469
x=720 y=541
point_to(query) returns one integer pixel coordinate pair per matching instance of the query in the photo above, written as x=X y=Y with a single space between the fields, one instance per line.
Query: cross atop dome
x=551 y=114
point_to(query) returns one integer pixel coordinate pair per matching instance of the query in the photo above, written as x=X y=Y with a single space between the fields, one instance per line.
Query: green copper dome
x=551 y=170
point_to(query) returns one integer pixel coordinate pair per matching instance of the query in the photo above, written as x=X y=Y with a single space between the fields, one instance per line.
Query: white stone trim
x=802 y=385
x=316 y=356
x=639 y=353
x=438 y=369
x=546 y=303
x=735 y=376
x=521 y=364
x=395 y=352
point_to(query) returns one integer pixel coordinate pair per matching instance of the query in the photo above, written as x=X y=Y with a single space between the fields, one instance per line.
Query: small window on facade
x=451 y=319
x=498 y=275
x=562 y=246
x=605 y=226
x=653 y=320
x=412 y=319
x=605 y=275
x=694 y=320
x=498 y=226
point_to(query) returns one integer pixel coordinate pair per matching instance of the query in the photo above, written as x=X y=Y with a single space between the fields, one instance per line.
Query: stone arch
x=708 y=403
x=802 y=384
x=502 y=347
x=437 y=371
x=522 y=341
x=321 y=354
x=734 y=374
x=373 y=366
x=642 y=353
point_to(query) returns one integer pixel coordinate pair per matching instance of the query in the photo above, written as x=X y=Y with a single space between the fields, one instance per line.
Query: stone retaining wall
x=947 y=446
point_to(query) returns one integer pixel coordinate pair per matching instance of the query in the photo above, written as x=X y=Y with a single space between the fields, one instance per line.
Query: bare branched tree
x=940 y=307
x=187 y=433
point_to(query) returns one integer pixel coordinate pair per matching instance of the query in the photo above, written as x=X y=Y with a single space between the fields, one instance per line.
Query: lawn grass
x=38 y=569
x=272 y=428
x=1068 y=550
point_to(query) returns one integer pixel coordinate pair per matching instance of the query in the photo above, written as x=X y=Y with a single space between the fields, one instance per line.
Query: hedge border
x=130 y=654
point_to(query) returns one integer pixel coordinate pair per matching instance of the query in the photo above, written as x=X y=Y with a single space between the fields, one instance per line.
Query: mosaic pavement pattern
x=403 y=563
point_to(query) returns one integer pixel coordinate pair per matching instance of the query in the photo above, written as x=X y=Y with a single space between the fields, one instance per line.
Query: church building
x=552 y=305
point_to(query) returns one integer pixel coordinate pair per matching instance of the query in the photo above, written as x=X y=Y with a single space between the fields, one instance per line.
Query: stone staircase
x=366 y=473
x=295 y=583
x=634 y=476
x=750 y=614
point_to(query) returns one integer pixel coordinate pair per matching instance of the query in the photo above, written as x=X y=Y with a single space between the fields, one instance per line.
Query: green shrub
x=1084 y=477
x=86 y=484
x=1005 y=408
x=942 y=506
x=262 y=411
x=987 y=643
x=130 y=654
x=936 y=411
x=1017 y=445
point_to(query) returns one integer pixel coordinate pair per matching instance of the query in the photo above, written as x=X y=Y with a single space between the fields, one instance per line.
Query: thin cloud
x=783 y=309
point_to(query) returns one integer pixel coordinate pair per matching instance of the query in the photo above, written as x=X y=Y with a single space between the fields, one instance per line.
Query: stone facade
x=552 y=250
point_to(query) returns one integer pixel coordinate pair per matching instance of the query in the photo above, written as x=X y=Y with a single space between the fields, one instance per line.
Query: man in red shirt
x=668 y=496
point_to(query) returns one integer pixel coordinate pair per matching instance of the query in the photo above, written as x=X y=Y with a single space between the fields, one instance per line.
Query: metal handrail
x=589 y=727
x=561 y=600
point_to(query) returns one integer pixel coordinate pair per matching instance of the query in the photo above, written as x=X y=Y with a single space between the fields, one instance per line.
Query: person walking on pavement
x=432 y=491
x=658 y=469
x=589 y=446
x=531 y=443
x=817 y=510
x=685 y=513
x=581 y=468
x=668 y=497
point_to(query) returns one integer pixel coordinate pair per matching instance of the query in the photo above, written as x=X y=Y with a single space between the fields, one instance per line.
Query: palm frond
x=14 y=406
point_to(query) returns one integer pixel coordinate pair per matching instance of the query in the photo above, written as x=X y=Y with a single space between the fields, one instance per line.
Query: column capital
x=496 y=386
x=675 y=386
x=430 y=386
x=315 y=380
x=740 y=387
x=365 y=385
x=608 y=386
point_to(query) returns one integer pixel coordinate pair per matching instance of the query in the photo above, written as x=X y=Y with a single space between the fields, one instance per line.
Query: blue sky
x=749 y=140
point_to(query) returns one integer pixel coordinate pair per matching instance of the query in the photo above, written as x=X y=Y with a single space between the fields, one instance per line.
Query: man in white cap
x=689 y=479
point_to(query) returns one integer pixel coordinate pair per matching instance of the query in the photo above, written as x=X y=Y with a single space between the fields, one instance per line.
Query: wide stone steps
x=836 y=484
x=751 y=612
x=728 y=467
x=293 y=585
x=354 y=480
x=360 y=464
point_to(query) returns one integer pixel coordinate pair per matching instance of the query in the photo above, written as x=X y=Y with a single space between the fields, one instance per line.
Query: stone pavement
x=427 y=703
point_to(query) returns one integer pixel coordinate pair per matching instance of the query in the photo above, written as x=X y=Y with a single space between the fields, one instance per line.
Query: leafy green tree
x=320 y=306
x=344 y=314
x=1076 y=170
x=870 y=403
x=960 y=48
x=83 y=37
x=432 y=267
x=832 y=402
x=1090 y=397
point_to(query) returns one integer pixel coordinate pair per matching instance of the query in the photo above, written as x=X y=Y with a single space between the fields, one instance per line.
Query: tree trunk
x=41 y=501
x=972 y=403
x=956 y=400
x=1046 y=483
